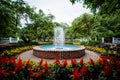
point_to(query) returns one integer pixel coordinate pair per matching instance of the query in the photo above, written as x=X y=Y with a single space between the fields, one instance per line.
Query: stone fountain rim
x=63 y=50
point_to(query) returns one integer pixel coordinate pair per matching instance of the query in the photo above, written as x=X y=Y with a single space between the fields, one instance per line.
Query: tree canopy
x=11 y=12
x=108 y=10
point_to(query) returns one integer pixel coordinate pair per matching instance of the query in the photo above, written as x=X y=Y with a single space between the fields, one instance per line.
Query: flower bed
x=16 y=51
x=102 y=69
x=96 y=49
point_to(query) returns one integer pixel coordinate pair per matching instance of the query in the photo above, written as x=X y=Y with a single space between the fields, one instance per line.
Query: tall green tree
x=109 y=10
x=41 y=26
x=11 y=13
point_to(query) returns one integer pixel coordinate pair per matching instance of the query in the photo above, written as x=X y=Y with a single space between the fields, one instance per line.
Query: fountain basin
x=67 y=52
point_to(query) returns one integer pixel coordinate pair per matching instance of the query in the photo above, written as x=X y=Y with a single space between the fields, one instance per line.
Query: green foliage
x=108 y=12
x=76 y=42
x=11 y=12
x=93 y=43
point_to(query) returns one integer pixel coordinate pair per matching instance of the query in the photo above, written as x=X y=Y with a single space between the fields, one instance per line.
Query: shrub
x=93 y=43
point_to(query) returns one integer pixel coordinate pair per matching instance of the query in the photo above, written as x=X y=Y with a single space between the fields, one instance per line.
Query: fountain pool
x=59 y=49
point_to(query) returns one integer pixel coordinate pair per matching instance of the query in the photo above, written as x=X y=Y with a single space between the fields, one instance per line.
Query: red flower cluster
x=46 y=68
x=81 y=61
x=57 y=61
x=2 y=47
x=91 y=62
x=76 y=75
x=100 y=62
x=83 y=71
x=107 y=70
x=11 y=73
x=64 y=63
x=4 y=60
x=28 y=63
x=104 y=59
x=40 y=62
x=73 y=62
x=2 y=73
x=19 y=65
x=31 y=73
x=13 y=60
x=39 y=74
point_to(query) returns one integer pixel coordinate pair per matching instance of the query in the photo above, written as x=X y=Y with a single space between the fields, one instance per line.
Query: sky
x=63 y=10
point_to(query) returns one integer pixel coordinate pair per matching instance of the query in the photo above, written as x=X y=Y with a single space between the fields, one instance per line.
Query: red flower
x=57 y=61
x=91 y=62
x=81 y=61
x=83 y=71
x=19 y=65
x=76 y=75
x=41 y=62
x=5 y=60
x=100 y=61
x=28 y=63
x=46 y=68
x=13 y=60
x=104 y=59
x=107 y=70
x=112 y=59
x=2 y=47
x=73 y=62
x=31 y=73
x=2 y=73
x=64 y=63
x=117 y=64
x=40 y=73
x=11 y=73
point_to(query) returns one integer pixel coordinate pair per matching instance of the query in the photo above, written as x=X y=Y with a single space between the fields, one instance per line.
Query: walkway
x=29 y=55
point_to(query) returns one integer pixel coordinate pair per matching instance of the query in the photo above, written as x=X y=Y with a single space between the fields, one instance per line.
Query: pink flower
x=64 y=63
x=76 y=75
x=83 y=71
x=46 y=68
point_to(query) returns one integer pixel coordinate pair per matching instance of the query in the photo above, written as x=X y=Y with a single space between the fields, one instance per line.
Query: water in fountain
x=59 y=37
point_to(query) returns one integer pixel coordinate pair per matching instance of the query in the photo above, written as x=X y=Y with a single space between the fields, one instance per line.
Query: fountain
x=58 y=37
x=59 y=49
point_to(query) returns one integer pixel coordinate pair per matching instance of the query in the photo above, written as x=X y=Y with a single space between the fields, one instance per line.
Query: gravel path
x=29 y=55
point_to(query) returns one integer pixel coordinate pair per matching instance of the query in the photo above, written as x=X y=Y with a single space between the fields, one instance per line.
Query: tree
x=82 y=25
x=104 y=6
x=11 y=12
x=109 y=10
x=6 y=18
x=41 y=27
